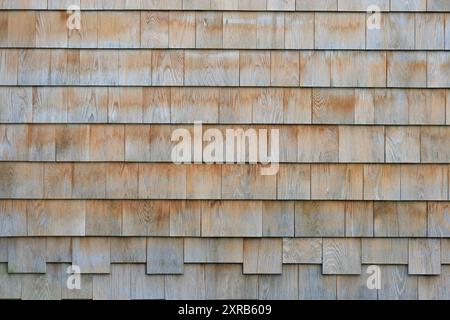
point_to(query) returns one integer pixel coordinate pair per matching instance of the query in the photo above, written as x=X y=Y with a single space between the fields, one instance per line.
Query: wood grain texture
x=302 y=250
x=165 y=256
x=319 y=219
x=341 y=256
x=337 y=182
x=279 y=287
x=424 y=256
x=278 y=218
x=262 y=256
x=384 y=251
x=398 y=286
x=213 y=250
x=315 y=286
x=92 y=254
x=401 y=219
x=438 y=219
x=27 y=255
x=224 y=281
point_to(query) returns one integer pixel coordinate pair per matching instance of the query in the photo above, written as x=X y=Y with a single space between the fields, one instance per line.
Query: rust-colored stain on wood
x=86 y=172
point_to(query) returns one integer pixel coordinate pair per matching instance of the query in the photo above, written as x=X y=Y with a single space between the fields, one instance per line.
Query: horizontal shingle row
x=258 y=256
x=153 y=143
x=224 y=68
x=214 y=219
x=224 y=105
x=217 y=30
x=228 y=181
x=205 y=281
x=241 y=5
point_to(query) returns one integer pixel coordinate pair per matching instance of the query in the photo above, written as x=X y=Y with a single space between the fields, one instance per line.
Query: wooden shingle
x=145 y=218
x=227 y=281
x=50 y=29
x=9 y=67
x=13 y=218
x=125 y=105
x=293 y=182
x=339 y=30
x=382 y=182
x=438 y=219
x=118 y=29
x=263 y=256
x=185 y=218
x=354 y=287
x=144 y=286
x=361 y=144
x=424 y=256
x=128 y=250
x=437 y=69
x=278 y=218
x=342 y=181
x=341 y=256
x=21 y=180
x=432 y=288
x=11 y=284
x=283 y=286
x=302 y=250
x=181 y=29
x=384 y=251
x=406 y=69
x=165 y=256
x=313 y=285
x=89 y=181
x=285 y=68
x=72 y=143
x=135 y=67
x=254 y=68
x=103 y=218
x=43 y=286
x=87 y=105
x=400 y=219
x=26 y=255
x=396 y=32
x=99 y=67
x=154 y=29
x=59 y=249
x=113 y=286
x=213 y=250
x=17 y=103
x=246 y=182
x=358 y=69
x=308 y=148
x=319 y=219
x=399 y=285
x=92 y=254
x=402 y=144
x=14 y=142
x=243 y=23
x=359 y=219
x=298 y=30
x=190 y=284
x=208 y=29
x=211 y=68
x=315 y=68
x=270 y=28
x=167 y=67
x=231 y=219
x=122 y=181
x=22 y=28
x=34 y=67
x=58 y=180
x=56 y=218
x=424 y=182
x=171 y=180
x=430 y=31
x=333 y=106
x=194 y=104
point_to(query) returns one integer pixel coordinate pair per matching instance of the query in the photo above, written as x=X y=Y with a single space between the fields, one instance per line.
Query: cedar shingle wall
x=86 y=176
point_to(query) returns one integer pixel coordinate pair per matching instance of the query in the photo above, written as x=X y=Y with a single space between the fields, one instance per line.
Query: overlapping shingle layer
x=87 y=178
